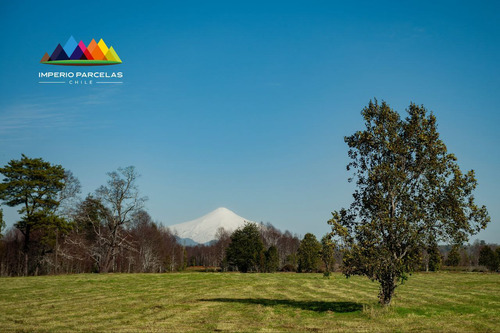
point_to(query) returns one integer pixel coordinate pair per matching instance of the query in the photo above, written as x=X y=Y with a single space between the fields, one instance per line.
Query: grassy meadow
x=232 y=302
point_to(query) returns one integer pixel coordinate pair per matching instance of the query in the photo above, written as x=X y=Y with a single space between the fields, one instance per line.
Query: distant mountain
x=190 y=242
x=202 y=230
x=186 y=241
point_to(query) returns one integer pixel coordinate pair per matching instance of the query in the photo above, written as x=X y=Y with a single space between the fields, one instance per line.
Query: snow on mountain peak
x=203 y=229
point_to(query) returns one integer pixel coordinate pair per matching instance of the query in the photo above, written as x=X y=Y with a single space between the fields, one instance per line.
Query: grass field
x=183 y=302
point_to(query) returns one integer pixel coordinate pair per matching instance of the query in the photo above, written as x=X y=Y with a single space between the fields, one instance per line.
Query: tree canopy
x=328 y=253
x=309 y=254
x=453 y=258
x=434 y=257
x=410 y=190
x=272 y=259
x=245 y=248
x=34 y=185
x=489 y=258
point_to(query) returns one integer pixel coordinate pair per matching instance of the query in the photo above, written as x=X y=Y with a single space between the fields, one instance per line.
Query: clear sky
x=245 y=104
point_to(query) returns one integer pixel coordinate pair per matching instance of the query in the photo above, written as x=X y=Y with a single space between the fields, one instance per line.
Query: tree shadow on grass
x=339 y=307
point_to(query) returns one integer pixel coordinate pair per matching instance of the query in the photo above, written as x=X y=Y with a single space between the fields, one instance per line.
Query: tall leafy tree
x=309 y=254
x=409 y=190
x=245 y=248
x=34 y=185
x=328 y=253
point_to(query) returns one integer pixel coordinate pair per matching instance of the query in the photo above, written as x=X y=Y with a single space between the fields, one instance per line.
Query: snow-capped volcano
x=203 y=229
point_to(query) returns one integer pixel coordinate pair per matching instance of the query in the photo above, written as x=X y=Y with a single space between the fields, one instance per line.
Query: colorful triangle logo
x=70 y=46
x=111 y=55
x=59 y=54
x=77 y=54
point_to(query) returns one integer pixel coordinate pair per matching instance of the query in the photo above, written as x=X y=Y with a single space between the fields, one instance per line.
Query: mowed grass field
x=233 y=302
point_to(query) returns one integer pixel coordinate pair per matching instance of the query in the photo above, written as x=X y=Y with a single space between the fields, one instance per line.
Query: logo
x=77 y=54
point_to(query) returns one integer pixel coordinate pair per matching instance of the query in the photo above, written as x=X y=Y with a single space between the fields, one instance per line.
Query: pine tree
x=489 y=258
x=272 y=259
x=34 y=185
x=309 y=254
x=453 y=258
x=245 y=248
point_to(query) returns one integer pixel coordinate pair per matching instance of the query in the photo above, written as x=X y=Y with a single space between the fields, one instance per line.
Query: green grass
x=183 y=302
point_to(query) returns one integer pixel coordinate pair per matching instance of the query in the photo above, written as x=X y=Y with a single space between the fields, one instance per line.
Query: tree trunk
x=25 y=263
x=57 y=248
x=113 y=248
x=387 y=287
x=26 y=249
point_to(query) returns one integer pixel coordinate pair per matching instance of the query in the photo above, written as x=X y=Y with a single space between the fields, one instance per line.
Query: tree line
x=410 y=195
x=110 y=231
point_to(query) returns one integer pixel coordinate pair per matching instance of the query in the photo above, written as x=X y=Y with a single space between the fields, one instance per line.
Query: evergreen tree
x=245 y=248
x=309 y=254
x=489 y=258
x=35 y=186
x=184 y=259
x=272 y=259
x=434 y=257
x=453 y=258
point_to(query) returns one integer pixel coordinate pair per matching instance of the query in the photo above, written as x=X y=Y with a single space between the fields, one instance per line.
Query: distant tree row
x=475 y=256
x=271 y=245
x=109 y=231
x=106 y=232
x=255 y=248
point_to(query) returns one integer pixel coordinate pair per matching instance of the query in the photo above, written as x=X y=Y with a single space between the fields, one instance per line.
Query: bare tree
x=270 y=234
x=288 y=245
x=148 y=236
x=121 y=197
x=223 y=238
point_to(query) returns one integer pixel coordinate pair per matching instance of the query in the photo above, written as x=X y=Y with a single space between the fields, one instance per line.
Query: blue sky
x=245 y=104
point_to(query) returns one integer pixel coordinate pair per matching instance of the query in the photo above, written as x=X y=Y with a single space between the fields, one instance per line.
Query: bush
x=288 y=268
